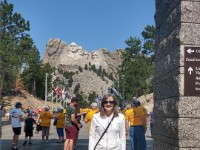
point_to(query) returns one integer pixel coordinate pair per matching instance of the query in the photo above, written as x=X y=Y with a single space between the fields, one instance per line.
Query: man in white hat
x=89 y=115
x=45 y=117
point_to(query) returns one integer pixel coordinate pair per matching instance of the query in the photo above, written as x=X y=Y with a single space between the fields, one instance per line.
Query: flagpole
x=52 y=95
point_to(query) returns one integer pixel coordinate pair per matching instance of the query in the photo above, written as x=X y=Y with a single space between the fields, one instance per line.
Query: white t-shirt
x=14 y=115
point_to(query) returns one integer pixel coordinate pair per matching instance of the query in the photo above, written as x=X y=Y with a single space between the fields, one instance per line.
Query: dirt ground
x=27 y=100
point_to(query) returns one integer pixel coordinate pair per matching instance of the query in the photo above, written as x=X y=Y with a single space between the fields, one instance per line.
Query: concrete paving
x=82 y=143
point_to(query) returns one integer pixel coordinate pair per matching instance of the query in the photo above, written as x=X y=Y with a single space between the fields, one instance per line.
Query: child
x=28 y=128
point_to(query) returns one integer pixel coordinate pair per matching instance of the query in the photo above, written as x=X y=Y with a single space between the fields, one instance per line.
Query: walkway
x=52 y=145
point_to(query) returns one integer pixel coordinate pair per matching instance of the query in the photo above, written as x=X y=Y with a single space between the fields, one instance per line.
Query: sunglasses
x=110 y=102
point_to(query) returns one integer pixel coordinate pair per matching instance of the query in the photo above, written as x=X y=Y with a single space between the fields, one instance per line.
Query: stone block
x=164 y=139
x=179 y=132
x=188 y=107
x=168 y=44
x=160 y=145
x=183 y=107
x=196 y=12
x=188 y=129
x=167 y=108
x=164 y=9
x=170 y=23
x=189 y=34
x=191 y=144
x=164 y=89
x=187 y=11
x=168 y=62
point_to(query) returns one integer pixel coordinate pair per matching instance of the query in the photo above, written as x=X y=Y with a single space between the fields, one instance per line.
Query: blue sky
x=92 y=24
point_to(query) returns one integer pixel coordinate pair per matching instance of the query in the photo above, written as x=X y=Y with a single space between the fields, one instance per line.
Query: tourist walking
x=137 y=121
x=108 y=127
x=60 y=123
x=16 y=119
x=28 y=128
x=45 y=118
x=71 y=125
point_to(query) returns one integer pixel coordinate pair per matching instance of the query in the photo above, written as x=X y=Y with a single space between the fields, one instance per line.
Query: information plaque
x=192 y=71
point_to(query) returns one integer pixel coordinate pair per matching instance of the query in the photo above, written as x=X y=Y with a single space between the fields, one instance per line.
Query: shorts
x=29 y=132
x=60 y=132
x=71 y=132
x=45 y=131
x=17 y=131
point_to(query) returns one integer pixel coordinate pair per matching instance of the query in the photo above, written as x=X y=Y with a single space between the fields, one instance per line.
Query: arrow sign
x=190 y=70
x=190 y=51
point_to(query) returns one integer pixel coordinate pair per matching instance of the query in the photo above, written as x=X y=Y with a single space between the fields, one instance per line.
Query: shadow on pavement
x=82 y=144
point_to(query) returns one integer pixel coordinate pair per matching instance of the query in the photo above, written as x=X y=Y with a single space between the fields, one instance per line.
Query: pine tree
x=137 y=64
x=15 y=44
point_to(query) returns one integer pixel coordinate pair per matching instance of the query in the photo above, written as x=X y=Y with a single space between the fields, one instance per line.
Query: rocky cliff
x=71 y=57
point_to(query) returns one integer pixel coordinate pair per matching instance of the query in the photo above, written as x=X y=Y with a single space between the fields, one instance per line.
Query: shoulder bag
x=104 y=132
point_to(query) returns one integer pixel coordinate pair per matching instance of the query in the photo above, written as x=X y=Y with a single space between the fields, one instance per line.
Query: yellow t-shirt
x=85 y=110
x=46 y=117
x=127 y=111
x=134 y=116
x=88 y=117
x=60 y=117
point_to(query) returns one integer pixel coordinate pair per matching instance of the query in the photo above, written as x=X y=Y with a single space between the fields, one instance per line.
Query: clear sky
x=92 y=24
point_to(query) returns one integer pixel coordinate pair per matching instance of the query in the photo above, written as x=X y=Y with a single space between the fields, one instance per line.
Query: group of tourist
x=108 y=127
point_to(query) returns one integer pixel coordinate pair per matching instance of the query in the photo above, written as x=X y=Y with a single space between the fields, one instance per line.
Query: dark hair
x=18 y=104
x=115 y=110
x=74 y=99
x=136 y=102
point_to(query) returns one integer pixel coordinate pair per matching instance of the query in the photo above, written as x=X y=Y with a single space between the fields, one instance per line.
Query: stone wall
x=177 y=117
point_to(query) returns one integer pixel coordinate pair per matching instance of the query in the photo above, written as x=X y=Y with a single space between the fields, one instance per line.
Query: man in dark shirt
x=71 y=125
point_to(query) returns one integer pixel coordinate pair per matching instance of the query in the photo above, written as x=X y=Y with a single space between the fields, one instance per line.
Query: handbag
x=55 y=122
x=104 y=132
x=38 y=128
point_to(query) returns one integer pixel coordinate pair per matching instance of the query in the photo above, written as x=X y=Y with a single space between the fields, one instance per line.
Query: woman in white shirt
x=115 y=136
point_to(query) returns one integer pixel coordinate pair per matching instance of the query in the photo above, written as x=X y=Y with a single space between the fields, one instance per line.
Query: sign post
x=192 y=71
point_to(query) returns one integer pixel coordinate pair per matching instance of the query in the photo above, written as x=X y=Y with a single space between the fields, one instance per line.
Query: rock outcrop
x=70 y=57
x=58 y=53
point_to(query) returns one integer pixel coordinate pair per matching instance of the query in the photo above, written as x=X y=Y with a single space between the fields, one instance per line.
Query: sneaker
x=12 y=146
x=58 y=141
x=43 y=141
x=47 y=141
x=30 y=143
x=24 y=143
x=15 y=148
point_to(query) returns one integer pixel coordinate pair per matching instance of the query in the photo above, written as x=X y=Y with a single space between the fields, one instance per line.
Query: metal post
x=56 y=100
x=46 y=89
x=52 y=95
x=123 y=104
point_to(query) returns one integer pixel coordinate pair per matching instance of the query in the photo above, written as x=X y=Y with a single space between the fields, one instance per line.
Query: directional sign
x=192 y=71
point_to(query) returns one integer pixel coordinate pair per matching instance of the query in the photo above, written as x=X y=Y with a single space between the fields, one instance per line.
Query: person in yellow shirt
x=127 y=109
x=45 y=118
x=137 y=121
x=60 y=117
x=88 y=118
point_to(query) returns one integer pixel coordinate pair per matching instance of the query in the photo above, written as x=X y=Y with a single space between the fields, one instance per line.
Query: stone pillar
x=177 y=117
